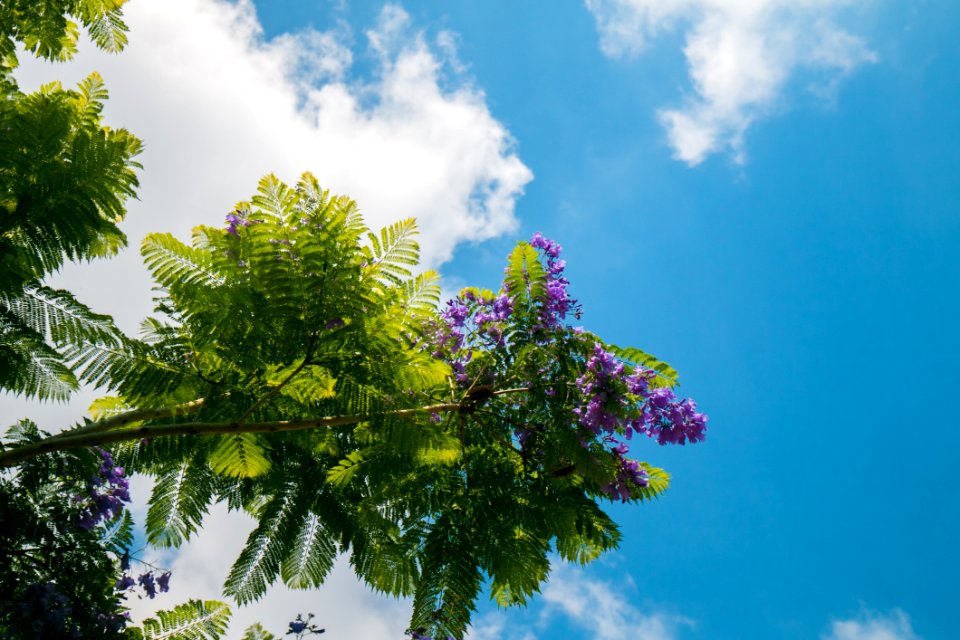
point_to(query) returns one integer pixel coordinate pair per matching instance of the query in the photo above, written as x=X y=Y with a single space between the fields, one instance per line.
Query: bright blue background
x=809 y=299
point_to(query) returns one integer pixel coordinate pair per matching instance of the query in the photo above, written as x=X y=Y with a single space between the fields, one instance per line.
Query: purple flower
x=297 y=626
x=123 y=583
x=147 y=581
x=106 y=492
x=456 y=313
x=671 y=421
x=629 y=474
x=164 y=582
x=549 y=247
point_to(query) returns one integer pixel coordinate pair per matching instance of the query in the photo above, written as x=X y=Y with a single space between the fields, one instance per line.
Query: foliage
x=57 y=577
x=64 y=178
x=65 y=554
x=455 y=448
x=193 y=620
x=50 y=29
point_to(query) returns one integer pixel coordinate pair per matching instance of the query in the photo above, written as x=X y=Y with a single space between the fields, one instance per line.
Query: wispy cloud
x=870 y=625
x=740 y=56
x=601 y=608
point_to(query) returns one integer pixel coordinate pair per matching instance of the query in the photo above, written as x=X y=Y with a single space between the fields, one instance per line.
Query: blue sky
x=763 y=193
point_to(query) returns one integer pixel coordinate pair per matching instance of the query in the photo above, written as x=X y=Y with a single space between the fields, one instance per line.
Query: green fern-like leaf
x=525 y=276
x=42 y=374
x=257 y=632
x=173 y=263
x=118 y=536
x=107 y=407
x=240 y=456
x=267 y=546
x=310 y=384
x=192 y=620
x=667 y=376
x=389 y=255
x=341 y=474
x=178 y=503
x=311 y=557
x=658 y=481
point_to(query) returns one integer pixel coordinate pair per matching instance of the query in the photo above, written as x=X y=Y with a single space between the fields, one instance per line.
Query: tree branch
x=95 y=435
x=128 y=417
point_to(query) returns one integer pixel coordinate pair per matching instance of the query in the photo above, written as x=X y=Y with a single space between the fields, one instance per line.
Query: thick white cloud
x=218 y=106
x=872 y=626
x=740 y=55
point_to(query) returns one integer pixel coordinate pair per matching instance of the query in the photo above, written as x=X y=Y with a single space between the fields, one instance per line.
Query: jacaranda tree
x=298 y=369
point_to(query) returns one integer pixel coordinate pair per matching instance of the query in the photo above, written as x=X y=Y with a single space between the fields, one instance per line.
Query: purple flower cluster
x=616 y=401
x=671 y=421
x=629 y=473
x=558 y=302
x=234 y=221
x=470 y=320
x=149 y=581
x=605 y=405
x=611 y=396
x=106 y=492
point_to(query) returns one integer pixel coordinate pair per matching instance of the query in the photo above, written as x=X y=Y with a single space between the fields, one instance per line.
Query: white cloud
x=601 y=608
x=872 y=626
x=740 y=55
x=218 y=106
x=343 y=606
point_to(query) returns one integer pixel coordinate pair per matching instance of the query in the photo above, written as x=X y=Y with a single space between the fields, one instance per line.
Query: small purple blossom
x=236 y=219
x=163 y=582
x=629 y=474
x=148 y=582
x=298 y=626
x=549 y=247
x=106 y=492
x=124 y=582
x=557 y=303
x=302 y=626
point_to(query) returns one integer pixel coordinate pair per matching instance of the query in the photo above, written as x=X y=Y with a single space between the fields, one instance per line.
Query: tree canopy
x=299 y=370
